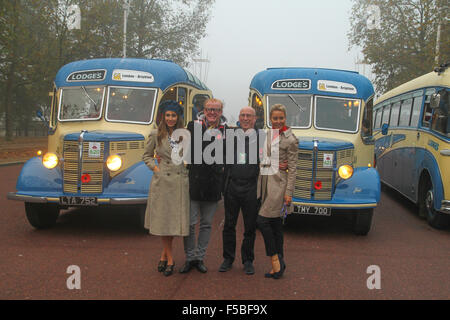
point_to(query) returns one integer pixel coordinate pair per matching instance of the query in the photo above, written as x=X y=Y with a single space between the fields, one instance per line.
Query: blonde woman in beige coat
x=167 y=213
x=275 y=190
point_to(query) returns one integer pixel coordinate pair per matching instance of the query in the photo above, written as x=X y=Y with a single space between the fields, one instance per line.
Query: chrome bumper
x=101 y=201
x=445 y=206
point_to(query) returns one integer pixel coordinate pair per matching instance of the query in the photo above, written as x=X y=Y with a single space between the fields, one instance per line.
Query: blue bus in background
x=102 y=112
x=330 y=112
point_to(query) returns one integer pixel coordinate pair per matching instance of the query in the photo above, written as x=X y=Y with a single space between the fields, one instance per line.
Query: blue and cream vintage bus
x=330 y=112
x=102 y=111
x=413 y=156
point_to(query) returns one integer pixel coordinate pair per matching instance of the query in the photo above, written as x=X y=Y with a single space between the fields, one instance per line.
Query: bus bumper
x=55 y=199
x=445 y=206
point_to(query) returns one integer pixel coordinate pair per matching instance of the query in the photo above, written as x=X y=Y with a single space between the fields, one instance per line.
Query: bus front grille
x=73 y=170
x=315 y=179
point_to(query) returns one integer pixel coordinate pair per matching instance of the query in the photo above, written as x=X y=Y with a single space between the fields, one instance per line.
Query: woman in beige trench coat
x=167 y=212
x=275 y=188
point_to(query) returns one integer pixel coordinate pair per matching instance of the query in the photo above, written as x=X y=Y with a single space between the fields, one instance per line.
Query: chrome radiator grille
x=73 y=169
x=311 y=169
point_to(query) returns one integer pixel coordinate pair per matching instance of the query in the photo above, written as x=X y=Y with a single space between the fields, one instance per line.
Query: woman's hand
x=287 y=200
x=283 y=165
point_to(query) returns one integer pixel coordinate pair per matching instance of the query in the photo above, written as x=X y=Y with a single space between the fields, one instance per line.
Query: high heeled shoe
x=169 y=269
x=279 y=274
x=162 y=264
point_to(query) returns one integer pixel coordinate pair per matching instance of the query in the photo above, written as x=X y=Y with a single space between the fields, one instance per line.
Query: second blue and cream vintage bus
x=102 y=112
x=330 y=112
x=413 y=156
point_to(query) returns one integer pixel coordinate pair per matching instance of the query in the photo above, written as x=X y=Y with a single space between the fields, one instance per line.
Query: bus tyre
x=41 y=215
x=435 y=219
x=362 y=222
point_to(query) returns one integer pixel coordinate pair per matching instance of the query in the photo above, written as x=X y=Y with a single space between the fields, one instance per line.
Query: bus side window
x=417 y=105
x=198 y=103
x=405 y=113
x=427 y=112
x=259 y=110
x=181 y=99
x=367 y=119
x=377 y=124
x=393 y=121
x=440 y=115
x=386 y=114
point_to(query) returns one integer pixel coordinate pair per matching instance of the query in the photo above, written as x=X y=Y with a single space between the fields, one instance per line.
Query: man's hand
x=287 y=200
x=283 y=165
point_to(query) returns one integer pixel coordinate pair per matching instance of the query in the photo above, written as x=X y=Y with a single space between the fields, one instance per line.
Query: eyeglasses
x=211 y=110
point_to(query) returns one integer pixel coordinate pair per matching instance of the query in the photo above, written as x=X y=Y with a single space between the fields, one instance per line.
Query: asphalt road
x=118 y=261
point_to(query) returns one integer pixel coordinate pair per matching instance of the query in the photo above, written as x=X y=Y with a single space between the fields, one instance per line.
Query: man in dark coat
x=241 y=179
x=205 y=179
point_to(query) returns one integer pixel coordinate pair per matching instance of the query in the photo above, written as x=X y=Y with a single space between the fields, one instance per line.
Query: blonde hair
x=212 y=100
x=277 y=107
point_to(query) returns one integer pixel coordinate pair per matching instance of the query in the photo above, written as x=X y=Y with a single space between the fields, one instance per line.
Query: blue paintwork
x=104 y=136
x=325 y=144
x=262 y=81
x=37 y=181
x=34 y=177
x=166 y=73
x=362 y=188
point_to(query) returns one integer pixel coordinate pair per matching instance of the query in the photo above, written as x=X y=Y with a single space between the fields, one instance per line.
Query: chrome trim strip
x=112 y=201
x=14 y=196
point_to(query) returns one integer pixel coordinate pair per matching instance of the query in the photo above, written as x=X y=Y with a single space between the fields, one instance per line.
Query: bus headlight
x=114 y=162
x=345 y=171
x=50 y=160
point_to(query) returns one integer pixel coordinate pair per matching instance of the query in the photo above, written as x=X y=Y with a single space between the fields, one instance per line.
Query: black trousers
x=237 y=198
x=272 y=232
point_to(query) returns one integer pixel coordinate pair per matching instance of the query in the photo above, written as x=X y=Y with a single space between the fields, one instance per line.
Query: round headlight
x=345 y=171
x=50 y=160
x=114 y=162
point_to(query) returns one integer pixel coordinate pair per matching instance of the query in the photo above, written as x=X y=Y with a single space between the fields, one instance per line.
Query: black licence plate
x=78 y=201
x=314 y=211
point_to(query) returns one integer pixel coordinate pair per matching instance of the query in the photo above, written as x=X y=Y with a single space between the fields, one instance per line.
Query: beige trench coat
x=272 y=188
x=167 y=212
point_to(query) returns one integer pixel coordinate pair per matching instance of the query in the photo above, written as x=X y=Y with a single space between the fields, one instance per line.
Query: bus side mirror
x=384 y=129
x=41 y=116
x=435 y=100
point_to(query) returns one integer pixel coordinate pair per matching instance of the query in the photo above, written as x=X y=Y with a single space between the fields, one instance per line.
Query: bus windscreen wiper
x=87 y=95
x=299 y=106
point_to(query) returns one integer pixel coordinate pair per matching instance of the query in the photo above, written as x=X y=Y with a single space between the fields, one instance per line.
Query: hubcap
x=429 y=201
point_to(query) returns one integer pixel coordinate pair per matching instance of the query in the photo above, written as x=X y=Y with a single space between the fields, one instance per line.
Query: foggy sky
x=248 y=36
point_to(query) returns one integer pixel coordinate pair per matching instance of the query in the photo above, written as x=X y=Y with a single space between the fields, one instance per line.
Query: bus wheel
x=362 y=221
x=41 y=215
x=426 y=206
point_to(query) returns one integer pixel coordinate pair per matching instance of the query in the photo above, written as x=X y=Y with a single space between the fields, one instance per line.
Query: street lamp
x=126 y=8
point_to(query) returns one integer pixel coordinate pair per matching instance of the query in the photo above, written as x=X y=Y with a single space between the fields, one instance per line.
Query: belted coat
x=274 y=184
x=167 y=212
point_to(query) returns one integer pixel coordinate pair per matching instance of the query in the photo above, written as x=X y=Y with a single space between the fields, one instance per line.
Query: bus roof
x=431 y=79
x=125 y=72
x=362 y=87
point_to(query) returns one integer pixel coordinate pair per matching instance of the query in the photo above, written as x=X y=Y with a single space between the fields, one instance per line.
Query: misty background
x=246 y=37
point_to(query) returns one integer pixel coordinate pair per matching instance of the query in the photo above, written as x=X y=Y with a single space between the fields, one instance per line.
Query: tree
x=401 y=45
x=35 y=42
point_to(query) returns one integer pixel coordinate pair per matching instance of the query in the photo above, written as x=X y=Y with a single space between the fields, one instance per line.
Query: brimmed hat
x=171 y=105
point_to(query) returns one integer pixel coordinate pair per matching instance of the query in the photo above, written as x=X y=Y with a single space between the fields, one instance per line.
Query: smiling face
x=247 y=118
x=170 y=117
x=278 y=119
x=213 y=112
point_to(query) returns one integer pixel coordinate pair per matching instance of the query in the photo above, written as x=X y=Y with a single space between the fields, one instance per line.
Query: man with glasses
x=241 y=179
x=205 y=181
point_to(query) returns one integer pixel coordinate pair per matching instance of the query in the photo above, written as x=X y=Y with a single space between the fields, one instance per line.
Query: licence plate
x=78 y=201
x=314 y=211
